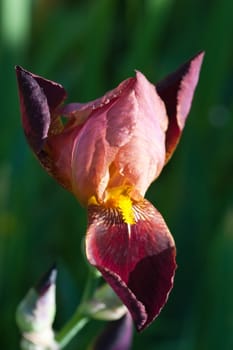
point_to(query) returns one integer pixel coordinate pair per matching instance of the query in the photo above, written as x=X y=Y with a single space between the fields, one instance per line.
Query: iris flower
x=107 y=152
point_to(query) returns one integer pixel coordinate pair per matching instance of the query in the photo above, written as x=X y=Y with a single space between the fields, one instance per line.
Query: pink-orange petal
x=138 y=262
x=58 y=156
x=177 y=91
x=105 y=131
x=141 y=160
x=83 y=110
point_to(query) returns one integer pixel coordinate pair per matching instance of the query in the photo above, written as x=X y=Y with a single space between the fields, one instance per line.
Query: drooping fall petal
x=177 y=90
x=137 y=260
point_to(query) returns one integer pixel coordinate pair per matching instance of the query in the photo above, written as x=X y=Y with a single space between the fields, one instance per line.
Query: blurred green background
x=89 y=47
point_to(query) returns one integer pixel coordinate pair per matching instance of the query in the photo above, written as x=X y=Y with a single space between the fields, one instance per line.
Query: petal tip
x=177 y=91
x=34 y=109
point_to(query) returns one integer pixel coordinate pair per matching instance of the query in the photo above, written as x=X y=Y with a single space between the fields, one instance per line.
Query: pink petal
x=141 y=160
x=106 y=130
x=121 y=142
x=122 y=139
x=137 y=260
x=83 y=110
x=58 y=156
x=177 y=92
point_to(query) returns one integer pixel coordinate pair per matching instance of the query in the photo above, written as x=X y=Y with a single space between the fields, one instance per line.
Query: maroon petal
x=38 y=100
x=54 y=92
x=137 y=260
x=177 y=93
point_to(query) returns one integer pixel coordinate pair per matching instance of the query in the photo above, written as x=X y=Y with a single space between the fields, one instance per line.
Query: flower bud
x=116 y=336
x=36 y=312
x=105 y=305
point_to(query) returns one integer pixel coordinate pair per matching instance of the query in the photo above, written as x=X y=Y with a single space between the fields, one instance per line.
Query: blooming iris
x=107 y=153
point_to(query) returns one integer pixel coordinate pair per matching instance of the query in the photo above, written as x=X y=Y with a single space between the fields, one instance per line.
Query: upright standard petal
x=98 y=143
x=136 y=256
x=122 y=140
x=177 y=90
x=142 y=158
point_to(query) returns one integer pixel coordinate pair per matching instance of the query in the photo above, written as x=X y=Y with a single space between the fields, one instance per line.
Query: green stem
x=74 y=325
x=79 y=319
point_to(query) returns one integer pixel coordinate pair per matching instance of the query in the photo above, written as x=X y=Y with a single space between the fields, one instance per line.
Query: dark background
x=89 y=47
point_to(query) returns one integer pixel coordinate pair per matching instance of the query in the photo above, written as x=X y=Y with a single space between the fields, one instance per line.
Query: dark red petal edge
x=39 y=98
x=34 y=109
x=177 y=90
x=117 y=335
x=54 y=92
x=140 y=267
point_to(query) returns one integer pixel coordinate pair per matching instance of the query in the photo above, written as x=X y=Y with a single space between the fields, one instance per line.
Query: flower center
x=119 y=198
